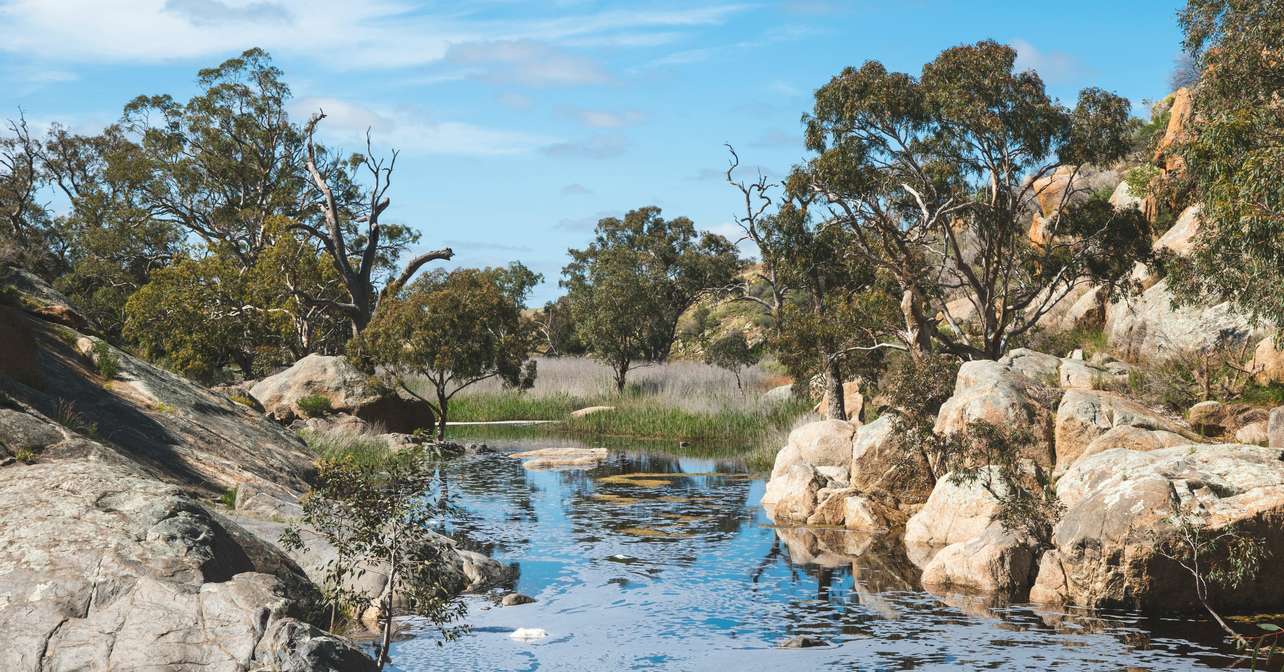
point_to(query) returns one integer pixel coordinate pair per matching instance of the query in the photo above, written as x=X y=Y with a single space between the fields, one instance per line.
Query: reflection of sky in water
x=683 y=573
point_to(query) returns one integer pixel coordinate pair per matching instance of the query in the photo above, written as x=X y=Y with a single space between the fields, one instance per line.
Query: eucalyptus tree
x=363 y=248
x=630 y=285
x=25 y=231
x=453 y=330
x=933 y=177
x=114 y=238
x=1234 y=157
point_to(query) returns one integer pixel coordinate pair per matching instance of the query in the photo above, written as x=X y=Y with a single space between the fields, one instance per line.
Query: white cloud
x=1054 y=67
x=339 y=33
x=576 y=189
x=526 y=62
x=412 y=130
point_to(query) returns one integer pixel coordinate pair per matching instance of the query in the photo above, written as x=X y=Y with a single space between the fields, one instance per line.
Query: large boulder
x=1180 y=104
x=1120 y=505
x=1015 y=392
x=827 y=443
x=791 y=496
x=961 y=546
x=1089 y=422
x=1275 y=428
x=348 y=390
x=954 y=513
x=1179 y=239
x=107 y=569
x=1267 y=364
x=1148 y=326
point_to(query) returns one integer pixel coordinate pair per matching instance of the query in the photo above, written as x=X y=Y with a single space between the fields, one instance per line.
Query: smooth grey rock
x=289 y=645
x=515 y=599
x=108 y=569
x=348 y=389
x=802 y=642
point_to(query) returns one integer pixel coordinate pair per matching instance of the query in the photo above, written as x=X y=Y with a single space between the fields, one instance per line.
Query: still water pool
x=652 y=561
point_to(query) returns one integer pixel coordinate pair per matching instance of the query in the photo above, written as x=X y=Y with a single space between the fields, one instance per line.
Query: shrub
x=25 y=455
x=228 y=498
x=107 y=362
x=1189 y=377
x=315 y=405
x=242 y=400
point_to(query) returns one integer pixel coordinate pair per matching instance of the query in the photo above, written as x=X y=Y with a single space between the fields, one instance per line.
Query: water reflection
x=654 y=561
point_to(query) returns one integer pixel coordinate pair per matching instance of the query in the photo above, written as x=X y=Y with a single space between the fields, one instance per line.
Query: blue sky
x=523 y=122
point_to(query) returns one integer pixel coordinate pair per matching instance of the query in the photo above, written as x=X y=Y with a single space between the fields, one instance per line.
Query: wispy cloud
x=578 y=224
x=602 y=146
x=1055 y=67
x=743 y=172
x=777 y=137
x=527 y=63
x=515 y=101
x=604 y=118
x=576 y=189
x=372 y=34
x=412 y=130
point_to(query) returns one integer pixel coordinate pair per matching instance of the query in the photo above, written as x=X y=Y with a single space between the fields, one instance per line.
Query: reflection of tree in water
x=637 y=498
x=875 y=565
x=482 y=484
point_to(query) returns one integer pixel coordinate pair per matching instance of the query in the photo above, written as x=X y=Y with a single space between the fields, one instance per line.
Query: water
x=653 y=561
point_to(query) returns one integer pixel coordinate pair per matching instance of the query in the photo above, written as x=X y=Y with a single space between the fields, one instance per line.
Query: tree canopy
x=630 y=285
x=1234 y=155
x=935 y=178
x=452 y=330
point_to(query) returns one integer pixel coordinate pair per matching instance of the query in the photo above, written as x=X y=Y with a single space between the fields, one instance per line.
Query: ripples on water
x=652 y=561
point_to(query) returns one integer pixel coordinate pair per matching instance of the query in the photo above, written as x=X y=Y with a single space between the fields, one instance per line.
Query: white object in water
x=529 y=633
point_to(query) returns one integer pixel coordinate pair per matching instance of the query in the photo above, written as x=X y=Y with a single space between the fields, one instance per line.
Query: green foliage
x=993 y=457
x=315 y=405
x=25 y=455
x=106 y=360
x=932 y=175
x=506 y=405
x=228 y=498
x=359 y=447
x=628 y=288
x=557 y=331
x=1091 y=339
x=1216 y=559
x=382 y=514
x=731 y=352
x=1234 y=158
x=243 y=400
x=453 y=330
x=1140 y=179
x=915 y=389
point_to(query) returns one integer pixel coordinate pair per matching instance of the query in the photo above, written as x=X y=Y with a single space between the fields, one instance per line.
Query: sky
x=522 y=122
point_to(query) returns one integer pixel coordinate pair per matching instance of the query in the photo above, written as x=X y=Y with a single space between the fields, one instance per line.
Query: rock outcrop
x=346 y=388
x=105 y=568
x=1148 y=326
x=1015 y=392
x=1090 y=422
x=1120 y=504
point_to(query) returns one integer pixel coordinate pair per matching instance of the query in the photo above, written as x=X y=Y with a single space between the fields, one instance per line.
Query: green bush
x=228 y=498
x=107 y=362
x=315 y=405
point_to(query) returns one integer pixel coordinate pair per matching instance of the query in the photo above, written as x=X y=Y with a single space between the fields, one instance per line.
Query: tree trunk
x=442 y=402
x=837 y=408
x=621 y=375
x=916 y=335
x=386 y=607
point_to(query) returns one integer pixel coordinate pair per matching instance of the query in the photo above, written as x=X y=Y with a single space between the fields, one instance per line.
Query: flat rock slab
x=561 y=458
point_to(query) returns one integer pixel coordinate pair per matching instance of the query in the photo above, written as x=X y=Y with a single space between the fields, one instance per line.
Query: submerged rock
x=562 y=458
x=515 y=599
x=801 y=642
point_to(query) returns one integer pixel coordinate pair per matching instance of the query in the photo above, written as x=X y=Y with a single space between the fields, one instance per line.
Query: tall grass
x=679 y=401
x=363 y=447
